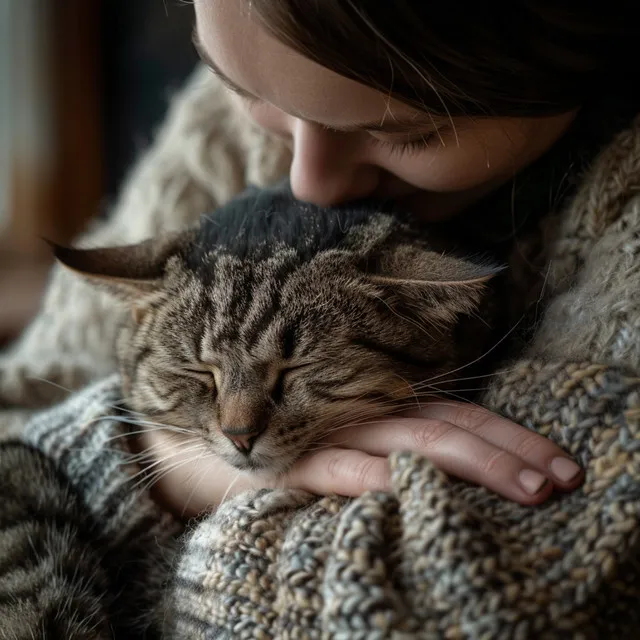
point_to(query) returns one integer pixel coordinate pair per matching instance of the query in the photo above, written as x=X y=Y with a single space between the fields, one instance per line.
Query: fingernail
x=532 y=481
x=564 y=469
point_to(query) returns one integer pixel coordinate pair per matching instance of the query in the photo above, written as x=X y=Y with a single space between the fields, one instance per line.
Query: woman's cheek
x=452 y=166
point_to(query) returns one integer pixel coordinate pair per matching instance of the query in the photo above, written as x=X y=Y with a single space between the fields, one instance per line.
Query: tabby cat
x=52 y=577
x=259 y=330
x=274 y=321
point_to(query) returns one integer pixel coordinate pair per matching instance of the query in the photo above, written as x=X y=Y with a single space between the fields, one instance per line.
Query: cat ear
x=442 y=283
x=129 y=273
x=415 y=265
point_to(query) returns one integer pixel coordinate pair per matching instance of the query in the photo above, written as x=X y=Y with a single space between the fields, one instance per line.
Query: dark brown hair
x=510 y=58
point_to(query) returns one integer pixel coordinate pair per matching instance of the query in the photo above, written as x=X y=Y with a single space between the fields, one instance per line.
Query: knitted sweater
x=430 y=558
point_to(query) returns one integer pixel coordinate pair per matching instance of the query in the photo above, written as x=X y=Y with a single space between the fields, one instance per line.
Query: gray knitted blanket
x=432 y=558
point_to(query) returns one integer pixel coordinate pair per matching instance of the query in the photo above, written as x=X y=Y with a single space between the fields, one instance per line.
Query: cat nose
x=242 y=439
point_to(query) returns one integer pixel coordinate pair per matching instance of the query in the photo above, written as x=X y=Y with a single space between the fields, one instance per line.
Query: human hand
x=463 y=440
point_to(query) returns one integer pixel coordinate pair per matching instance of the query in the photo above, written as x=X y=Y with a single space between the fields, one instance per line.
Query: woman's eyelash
x=417 y=145
x=408 y=147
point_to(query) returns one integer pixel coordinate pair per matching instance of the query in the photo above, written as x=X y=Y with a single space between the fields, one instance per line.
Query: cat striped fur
x=273 y=321
x=52 y=581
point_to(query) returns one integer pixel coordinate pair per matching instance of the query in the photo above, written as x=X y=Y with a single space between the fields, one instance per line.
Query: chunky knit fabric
x=432 y=558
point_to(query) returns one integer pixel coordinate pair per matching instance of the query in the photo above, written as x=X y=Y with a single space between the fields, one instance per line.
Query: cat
x=65 y=575
x=52 y=577
x=274 y=321
x=260 y=329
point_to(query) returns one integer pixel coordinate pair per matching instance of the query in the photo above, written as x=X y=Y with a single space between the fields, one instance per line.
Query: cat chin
x=266 y=468
x=252 y=465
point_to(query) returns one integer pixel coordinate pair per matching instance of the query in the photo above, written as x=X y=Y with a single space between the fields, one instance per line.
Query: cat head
x=263 y=351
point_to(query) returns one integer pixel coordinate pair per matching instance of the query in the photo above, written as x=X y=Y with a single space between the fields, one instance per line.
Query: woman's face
x=349 y=140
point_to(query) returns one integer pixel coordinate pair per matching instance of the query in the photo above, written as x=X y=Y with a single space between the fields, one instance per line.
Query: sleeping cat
x=274 y=321
x=259 y=330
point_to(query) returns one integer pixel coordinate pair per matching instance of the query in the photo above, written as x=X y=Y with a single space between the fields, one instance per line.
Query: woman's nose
x=327 y=166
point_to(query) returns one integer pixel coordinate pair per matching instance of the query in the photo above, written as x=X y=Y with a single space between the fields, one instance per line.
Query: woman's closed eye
x=406 y=145
x=409 y=146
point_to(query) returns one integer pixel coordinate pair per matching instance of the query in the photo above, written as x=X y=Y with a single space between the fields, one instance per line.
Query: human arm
x=463 y=440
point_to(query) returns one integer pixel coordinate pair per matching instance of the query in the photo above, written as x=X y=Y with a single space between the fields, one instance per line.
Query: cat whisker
x=197 y=484
x=412 y=322
x=500 y=372
x=480 y=357
x=231 y=485
x=349 y=421
x=409 y=386
x=150 y=426
x=373 y=419
x=128 y=434
x=148 y=473
x=124 y=436
x=70 y=391
x=365 y=417
x=53 y=384
x=137 y=458
x=477 y=316
x=160 y=425
x=196 y=446
x=452 y=394
x=449 y=381
x=348 y=410
x=431 y=390
x=444 y=403
x=144 y=484
x=324 y=445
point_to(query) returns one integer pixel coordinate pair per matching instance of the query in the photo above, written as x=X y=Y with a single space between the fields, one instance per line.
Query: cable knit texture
x=431 y=558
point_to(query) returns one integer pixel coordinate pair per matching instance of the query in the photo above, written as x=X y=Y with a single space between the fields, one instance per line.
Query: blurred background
x=83 y=86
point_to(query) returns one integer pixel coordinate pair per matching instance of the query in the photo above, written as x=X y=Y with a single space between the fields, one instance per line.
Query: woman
x=484 y=122
x=353 y=91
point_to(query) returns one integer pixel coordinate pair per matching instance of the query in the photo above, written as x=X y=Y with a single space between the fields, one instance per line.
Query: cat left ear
x=129 y=273
x=454 y=285
x=411 y=264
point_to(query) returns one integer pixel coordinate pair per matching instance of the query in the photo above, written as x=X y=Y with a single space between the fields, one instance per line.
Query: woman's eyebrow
x=416 y=122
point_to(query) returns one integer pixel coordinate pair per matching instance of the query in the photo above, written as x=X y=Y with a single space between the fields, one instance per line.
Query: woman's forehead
x=253 y=62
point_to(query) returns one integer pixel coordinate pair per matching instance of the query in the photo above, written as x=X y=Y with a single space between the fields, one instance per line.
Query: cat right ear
x=129 y=273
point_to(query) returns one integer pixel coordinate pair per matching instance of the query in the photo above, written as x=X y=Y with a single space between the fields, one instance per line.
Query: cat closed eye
x=277 y=391
x=202 y=374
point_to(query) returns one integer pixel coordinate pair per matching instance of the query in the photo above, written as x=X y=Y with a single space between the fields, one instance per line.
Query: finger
x=536 y=450
x=345 y=472
x=455 y=451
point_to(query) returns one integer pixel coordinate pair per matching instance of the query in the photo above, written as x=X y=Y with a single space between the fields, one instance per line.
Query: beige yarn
x=595 y=265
